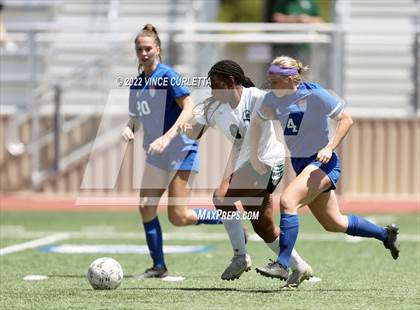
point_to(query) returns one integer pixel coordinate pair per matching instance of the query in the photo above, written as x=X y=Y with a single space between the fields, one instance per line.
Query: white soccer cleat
x=153 y=272
x=298 y=276
x=238 y=265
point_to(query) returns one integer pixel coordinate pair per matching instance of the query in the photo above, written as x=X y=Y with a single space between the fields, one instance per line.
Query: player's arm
x=200 y=123
x=194 y=132
x=264 y=114
x=344 y=122
x=133 y=125
x=187 y=106
x=159 y=145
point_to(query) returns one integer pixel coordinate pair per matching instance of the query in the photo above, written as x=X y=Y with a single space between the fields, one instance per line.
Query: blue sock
x=207 y=216
x=289 y=228
x=358 y=226
x=154 y=241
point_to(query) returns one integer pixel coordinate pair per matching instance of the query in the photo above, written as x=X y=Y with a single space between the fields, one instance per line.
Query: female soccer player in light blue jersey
x=159 y=103
x=303 y=110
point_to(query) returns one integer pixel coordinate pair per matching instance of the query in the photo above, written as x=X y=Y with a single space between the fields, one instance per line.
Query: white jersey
x=234 y=123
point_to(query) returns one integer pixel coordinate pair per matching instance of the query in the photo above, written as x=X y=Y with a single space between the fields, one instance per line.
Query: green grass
x=354 y=275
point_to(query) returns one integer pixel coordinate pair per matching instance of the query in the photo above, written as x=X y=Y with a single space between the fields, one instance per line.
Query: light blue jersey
x=152 y=101
x=304 y=117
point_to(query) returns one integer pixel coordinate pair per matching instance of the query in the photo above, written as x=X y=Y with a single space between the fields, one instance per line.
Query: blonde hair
x=149 y=31
x=289 y=62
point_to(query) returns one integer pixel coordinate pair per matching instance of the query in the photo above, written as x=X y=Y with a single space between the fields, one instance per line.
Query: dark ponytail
x=149 y=31
x=247 y=82
x=203 y=108
x=227 y=68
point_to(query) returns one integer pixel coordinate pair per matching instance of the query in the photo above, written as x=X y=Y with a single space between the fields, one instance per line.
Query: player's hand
x=185 y=128
x=159 y=145
x=324 y=155
x=258 y=166
x=127 y=134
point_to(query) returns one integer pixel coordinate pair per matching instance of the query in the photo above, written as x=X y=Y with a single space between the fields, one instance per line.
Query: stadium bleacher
x=379 y=60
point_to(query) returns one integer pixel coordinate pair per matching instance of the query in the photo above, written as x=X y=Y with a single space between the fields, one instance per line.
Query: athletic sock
x=295 y=262
x=274 y=246
x=154 y=241
x=289 y=228
x=359 y=226
x=236 y=235
x=206 y=216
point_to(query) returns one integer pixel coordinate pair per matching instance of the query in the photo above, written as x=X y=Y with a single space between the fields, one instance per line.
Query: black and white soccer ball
x=105 y=273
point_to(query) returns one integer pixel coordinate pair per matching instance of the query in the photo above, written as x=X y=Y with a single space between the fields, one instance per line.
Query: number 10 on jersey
x=143 y=108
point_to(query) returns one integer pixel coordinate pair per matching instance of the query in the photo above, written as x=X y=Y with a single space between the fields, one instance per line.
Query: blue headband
x=277 y=70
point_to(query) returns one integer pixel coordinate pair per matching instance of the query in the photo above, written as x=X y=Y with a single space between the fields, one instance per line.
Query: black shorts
x=247 y=178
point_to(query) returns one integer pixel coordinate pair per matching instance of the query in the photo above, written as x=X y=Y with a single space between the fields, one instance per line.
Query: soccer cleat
x=274 y=270
x=391 y=242
x=298 y=276
x=153 y=272
x=238 y=265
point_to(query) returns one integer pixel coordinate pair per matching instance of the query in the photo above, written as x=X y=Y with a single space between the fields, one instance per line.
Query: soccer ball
x=105 y=273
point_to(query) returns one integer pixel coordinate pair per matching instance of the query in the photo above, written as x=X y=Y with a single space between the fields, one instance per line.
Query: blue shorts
x=332 y=168
x=174 y=161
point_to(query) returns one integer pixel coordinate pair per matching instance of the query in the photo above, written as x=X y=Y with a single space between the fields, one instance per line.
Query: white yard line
x=35 y=243
x=191 y=236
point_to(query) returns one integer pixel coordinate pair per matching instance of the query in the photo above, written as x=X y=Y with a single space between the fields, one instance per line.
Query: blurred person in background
x=294 y=11
x=6 y=42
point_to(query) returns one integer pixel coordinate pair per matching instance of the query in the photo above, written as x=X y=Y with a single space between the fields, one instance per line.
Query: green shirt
x=297 y=7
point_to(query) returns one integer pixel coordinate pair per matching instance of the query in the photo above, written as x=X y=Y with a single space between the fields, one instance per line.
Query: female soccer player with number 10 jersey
x=160 y=104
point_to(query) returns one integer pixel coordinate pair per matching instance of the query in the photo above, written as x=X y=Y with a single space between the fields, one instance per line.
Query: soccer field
x=354 y=274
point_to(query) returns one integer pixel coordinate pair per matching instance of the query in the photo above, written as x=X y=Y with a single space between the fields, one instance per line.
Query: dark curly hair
x=224 y=69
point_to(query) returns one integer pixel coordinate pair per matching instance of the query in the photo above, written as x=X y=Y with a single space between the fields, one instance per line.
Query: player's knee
x=287 y=203
x=147 y=212
x=219 y=201
x=178 y=218
x=178 y=222
x=142 y=203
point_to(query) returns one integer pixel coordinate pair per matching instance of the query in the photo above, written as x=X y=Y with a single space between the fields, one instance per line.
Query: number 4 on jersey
x=293 y=124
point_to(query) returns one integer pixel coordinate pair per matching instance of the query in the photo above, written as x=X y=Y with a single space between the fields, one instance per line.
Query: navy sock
x=154 y=241
x=358 y=226
x=207 y=216
x=289 y=228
